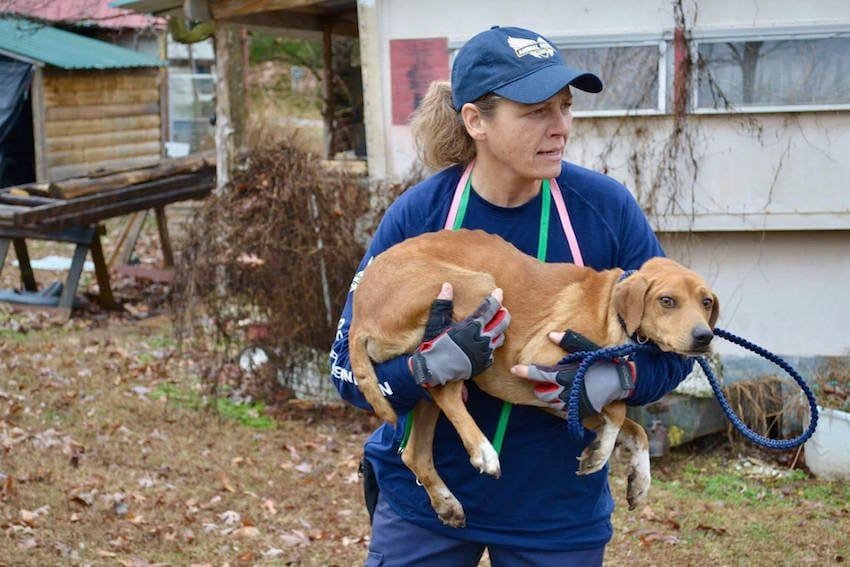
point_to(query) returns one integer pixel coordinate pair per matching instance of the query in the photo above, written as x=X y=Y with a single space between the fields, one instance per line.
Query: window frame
x=761 y=34
x=659 y=40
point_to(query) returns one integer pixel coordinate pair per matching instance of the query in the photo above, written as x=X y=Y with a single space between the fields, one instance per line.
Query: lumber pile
x=115 y=179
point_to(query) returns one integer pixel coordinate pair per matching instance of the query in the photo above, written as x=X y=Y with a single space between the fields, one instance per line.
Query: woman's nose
x=561 y=122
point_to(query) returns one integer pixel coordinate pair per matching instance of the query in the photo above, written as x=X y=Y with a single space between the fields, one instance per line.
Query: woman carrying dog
x=497 y=134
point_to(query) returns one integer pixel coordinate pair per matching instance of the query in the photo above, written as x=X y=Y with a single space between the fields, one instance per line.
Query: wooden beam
x=103 y=153
x=224 y=9
x=119 y=124
x=89 y=169
x=86 y=112
x=70 y=142
x=296 y=21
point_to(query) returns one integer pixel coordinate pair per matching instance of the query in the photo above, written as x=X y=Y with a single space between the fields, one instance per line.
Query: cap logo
x=539 y=48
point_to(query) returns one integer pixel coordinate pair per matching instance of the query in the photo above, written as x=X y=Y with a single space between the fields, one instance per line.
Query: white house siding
x=765 y=215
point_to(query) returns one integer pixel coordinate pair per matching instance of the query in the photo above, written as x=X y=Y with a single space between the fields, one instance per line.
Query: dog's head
x=668 y=304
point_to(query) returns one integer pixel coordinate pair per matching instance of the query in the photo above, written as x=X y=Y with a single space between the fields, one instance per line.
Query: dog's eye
x=708 y=303
x=668 y=302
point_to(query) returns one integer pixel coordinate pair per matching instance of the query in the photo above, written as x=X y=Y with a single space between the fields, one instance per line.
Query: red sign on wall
x=414 y=65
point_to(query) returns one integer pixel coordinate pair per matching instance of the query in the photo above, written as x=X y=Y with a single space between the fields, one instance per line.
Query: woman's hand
x=459 y=351
x=604 y=382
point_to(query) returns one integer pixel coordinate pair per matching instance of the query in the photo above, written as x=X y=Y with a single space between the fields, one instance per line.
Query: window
x=633 y=70
x=192 y=105
x=633 y=76
x=755 y=74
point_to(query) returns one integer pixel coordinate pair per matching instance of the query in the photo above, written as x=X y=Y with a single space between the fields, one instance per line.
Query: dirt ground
x=112 y=454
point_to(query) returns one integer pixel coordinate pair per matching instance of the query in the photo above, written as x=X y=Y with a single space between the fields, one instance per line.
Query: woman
x=498 y=134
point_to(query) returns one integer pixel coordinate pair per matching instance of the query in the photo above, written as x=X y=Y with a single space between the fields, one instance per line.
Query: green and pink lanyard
x=454 y=221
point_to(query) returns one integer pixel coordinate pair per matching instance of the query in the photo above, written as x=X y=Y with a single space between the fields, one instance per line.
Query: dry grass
x=110 y=458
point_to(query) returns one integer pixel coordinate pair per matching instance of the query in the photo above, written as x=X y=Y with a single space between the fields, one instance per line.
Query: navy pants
x=397 y=542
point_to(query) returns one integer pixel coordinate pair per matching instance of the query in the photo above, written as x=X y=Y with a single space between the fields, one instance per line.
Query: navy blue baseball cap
x=514 y=63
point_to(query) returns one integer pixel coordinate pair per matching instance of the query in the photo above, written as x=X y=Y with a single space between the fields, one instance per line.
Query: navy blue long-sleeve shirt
x=539 y=502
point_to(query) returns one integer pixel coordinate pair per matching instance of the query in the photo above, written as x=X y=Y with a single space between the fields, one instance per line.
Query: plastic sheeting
x=15 y=77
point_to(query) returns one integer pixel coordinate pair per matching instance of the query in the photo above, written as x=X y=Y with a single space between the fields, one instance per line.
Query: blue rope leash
x=586 y=358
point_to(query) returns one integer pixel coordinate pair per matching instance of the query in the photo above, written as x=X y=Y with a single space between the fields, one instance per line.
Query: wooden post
x=376 y=121
x=164 y=239
x=101 y=272
x=327 y=61
x=27 y=277
x=230 y=101
x=164 y=104
x=4 y=249
x=134 y=228
x=38 y=125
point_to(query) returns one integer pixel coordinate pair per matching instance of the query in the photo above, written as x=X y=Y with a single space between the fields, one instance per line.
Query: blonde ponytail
x=438 y=131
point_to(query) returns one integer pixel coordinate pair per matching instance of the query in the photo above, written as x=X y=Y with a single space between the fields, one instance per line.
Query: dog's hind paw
x=637 y=489
x=450 y=511
x=486 y=460
x=639 y=480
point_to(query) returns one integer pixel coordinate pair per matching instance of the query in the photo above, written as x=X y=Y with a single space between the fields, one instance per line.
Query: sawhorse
x=87 y=238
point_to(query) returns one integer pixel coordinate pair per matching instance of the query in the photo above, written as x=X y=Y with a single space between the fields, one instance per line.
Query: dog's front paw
x=486 y=460
x=592 y=459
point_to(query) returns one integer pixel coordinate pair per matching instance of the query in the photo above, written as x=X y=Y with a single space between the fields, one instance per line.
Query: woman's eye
x=667 y=301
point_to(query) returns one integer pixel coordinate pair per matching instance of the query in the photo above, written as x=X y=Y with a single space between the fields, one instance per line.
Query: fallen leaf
x=28 y=517
x=85 y=498
x=712 y=529
x=105 y=553
x=225 y=483
x=295 y=537
x=230 y=517
x=29 y=543
x=246 y=531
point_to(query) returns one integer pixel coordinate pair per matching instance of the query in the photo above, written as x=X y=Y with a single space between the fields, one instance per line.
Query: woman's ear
x=473 y=120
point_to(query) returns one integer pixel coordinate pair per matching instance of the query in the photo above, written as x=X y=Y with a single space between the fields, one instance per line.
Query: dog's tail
x=367 y=380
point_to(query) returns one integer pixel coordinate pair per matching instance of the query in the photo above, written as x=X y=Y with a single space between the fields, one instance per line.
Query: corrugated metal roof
x=40 y=42
x=80 y=12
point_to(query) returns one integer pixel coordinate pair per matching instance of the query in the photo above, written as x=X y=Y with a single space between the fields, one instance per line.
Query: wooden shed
x=92 y=105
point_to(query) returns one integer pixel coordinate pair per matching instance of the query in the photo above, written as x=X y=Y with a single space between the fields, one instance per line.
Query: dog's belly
x=500 y=383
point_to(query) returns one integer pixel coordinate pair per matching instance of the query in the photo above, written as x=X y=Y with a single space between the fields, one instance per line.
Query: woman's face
x=528 y=139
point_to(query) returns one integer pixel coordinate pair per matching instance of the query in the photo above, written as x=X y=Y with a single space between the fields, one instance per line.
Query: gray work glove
x=604 y=382
x=459 y=351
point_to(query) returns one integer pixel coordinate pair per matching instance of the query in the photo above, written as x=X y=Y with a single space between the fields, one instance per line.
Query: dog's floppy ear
x=629 y=297
x=715 y=311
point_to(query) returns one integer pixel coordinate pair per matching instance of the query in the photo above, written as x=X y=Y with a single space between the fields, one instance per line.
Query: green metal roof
x=41 y=43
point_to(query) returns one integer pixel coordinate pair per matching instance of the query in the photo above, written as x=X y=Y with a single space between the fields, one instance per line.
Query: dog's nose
x=702 y=336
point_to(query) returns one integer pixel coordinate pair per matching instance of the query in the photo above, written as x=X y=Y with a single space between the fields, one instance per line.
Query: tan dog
x=662 y=302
